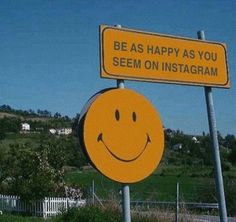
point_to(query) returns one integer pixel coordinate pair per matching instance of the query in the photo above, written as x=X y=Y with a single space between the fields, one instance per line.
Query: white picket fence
x=45 y=208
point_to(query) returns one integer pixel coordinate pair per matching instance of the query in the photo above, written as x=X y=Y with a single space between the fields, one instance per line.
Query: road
x=208 y=218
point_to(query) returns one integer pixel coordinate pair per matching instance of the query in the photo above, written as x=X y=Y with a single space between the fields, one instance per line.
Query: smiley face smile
x=148 y=140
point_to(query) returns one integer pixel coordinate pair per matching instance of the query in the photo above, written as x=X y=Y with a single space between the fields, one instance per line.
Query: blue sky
x=49 y=55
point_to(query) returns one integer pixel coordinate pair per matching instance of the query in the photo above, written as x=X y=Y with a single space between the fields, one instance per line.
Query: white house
x=25 y=127
x=195 y=140
x=53 y=131
x=68 y=131
x=64 y=131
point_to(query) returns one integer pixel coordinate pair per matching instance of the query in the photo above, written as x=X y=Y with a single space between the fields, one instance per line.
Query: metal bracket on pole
x=215 y=148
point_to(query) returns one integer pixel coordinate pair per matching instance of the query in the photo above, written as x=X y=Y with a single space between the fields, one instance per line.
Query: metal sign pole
x=125 y=187
x=126 y=203
x=215 y=148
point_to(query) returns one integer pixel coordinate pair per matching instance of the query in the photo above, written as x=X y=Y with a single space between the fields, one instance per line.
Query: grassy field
x=42 y=119
x=196 y=183
x=157 y=187
x=17 y=218
x=3 y=114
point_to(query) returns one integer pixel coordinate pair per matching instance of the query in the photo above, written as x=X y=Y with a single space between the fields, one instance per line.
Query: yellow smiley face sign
x=122 y=134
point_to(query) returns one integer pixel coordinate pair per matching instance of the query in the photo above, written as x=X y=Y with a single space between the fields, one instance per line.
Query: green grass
x=231 y=174
x=92 y=214
x=155 y=187
x=17 y=218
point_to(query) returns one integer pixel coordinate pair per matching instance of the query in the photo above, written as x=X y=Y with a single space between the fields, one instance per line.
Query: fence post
x=44 y=209
x=93 y=191
x=177 y=203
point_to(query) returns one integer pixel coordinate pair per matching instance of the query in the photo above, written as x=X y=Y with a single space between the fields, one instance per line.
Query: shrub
x=90 y=214
x=109 y=214
x=226 y=166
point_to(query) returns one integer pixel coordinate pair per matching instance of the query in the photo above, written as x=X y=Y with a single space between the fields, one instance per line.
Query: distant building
x=195 y=140
x=64 y=131
x=25 y=127
x=68 y=131
x=53 y=131
x=61 y=131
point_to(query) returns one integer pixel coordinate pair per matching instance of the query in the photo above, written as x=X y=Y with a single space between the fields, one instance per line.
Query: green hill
x=31 y=159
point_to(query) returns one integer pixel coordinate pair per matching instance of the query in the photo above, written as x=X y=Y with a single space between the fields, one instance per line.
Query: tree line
x=199 y=151
x=31 y=113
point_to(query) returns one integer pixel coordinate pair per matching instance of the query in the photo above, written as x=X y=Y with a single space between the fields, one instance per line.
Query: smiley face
x=122 y=134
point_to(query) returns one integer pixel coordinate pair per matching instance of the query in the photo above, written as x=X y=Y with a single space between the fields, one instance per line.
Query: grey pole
x=177 y=203
x=120 y=84
x=125 y=187
x=215 y=148
x=126 y=203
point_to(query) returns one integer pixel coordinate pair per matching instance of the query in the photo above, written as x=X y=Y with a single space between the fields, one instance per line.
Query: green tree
x=10 y=125
x=230 y=141
x=2 y=134
x=206 y=150
x=57 y=115
x=232 y=156
x=27 y=173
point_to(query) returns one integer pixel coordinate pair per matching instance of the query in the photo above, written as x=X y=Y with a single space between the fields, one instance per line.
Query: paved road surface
x=208 y=218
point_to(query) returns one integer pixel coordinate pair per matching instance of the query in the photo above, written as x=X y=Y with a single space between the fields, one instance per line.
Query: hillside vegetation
x=36 y=163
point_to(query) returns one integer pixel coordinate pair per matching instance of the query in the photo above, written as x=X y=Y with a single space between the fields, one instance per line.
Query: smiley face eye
x=117 y=115
x=134 y=116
